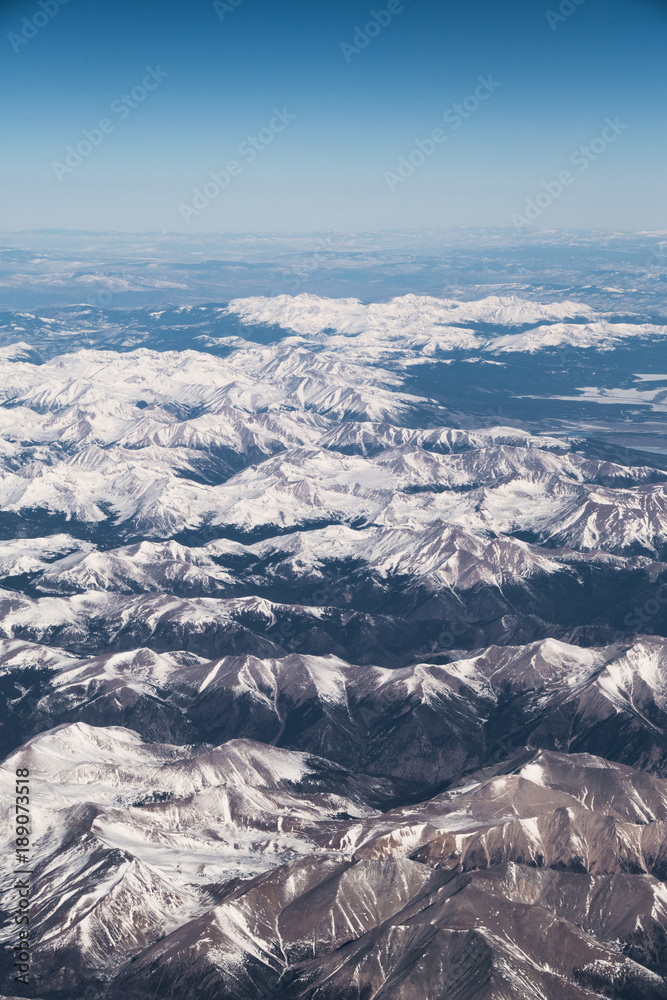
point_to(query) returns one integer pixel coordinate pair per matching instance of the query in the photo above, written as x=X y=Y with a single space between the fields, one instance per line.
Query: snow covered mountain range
x=331 y=686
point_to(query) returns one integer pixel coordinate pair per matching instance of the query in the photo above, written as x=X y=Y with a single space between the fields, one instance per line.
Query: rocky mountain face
x=324 y=694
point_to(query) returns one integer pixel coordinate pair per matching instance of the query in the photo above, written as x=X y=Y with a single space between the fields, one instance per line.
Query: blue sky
x=350 y=114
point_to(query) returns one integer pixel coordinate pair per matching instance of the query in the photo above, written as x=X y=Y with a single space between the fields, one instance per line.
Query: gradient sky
x=354 y=117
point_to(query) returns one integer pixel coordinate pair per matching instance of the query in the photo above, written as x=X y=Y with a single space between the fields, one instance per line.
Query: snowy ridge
x=429 y=325
x=328 y=689
x=144 y=874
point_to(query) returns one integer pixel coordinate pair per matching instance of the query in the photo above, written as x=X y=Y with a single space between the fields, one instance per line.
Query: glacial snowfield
x=327 y=688
x=420 y=324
